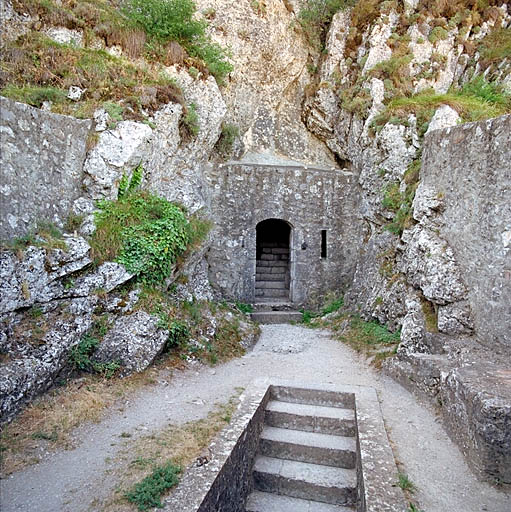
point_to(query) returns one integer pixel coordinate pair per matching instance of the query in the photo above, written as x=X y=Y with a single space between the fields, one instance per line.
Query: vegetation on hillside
x=152 y=34
x=144 y=232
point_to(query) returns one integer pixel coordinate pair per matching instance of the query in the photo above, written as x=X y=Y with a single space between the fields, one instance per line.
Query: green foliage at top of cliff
x=152 y=34
x=475 y=101
x=173 y=20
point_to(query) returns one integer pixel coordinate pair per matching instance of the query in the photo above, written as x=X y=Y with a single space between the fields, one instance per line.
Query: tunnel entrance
x=272 y=281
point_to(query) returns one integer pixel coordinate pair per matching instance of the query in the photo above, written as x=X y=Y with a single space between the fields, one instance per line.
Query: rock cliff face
x=265 y=91
x=398 y=276
x=40 y=166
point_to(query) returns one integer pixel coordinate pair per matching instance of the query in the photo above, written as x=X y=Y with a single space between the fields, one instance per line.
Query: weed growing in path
x=148 y=492
x=405 y=483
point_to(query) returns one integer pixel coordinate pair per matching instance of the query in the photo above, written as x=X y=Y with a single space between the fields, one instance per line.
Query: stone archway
x=272 y=282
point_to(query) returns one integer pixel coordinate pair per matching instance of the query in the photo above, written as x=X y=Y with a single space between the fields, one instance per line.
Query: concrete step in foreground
x=310 y=447
x=276 y=317
x=268 y=502
x=311 y=418
x=315 y=482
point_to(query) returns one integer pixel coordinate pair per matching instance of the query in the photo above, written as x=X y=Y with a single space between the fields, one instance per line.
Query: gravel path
x=70 y=480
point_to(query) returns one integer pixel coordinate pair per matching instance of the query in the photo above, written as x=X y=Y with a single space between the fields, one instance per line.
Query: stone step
x=274 y=250
x=271 y=263
x=273 y=244
x=271 y=293
x=313 y=397
x=269 y=257
x=280 y=285
x=281 y=271
x=313 y=447
x=311 y=418
x=271 y=277
x=271 y=270
x=316 y=482
x=276 y=317
x=268 y=502
x=273 y=305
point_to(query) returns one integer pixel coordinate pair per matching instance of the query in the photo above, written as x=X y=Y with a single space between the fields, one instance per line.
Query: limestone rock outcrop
x=134 y=341
x=41 y=166
x=37 y=347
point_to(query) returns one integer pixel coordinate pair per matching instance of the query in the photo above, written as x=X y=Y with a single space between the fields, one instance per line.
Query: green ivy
x=80 y=354
x=144 y=232
x=150 y=249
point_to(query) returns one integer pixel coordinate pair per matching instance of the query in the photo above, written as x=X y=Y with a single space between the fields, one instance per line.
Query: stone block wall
x=310 y=200
x=467 y=170
x=41 y=162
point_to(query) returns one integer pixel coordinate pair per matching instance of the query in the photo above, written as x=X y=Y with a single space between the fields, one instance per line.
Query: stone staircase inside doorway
x=272 y=272
x=307 y=454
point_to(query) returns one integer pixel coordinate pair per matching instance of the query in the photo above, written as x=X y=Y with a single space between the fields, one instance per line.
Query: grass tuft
x=148 y=492
x=476 y=101
x=405 y=483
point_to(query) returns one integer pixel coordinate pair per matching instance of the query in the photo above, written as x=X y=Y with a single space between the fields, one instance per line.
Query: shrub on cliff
x=144 y=232
x=173 y=20
x=315 y=17
x=166 y=20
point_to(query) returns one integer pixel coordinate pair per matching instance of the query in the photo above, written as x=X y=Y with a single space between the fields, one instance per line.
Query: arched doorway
x=272 y=281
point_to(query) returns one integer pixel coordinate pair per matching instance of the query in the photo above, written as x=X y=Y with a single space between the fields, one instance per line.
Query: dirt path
x=70 y=480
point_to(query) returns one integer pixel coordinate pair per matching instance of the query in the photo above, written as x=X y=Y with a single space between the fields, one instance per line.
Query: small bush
x=148 y=492
x=315 y=17
x=214 y=56
x=34 y=95
x=178 y=334
x=392 y=197
x=190 y=126
x=496 y=46
x=372 y=333
x=128 y=186
x=244 y=308
x=438 y=34
x=165 y=20
x=226 y=141
x=173 y=20
x=46 y=235
x=307 y=316
x=490 y=92
x=405 y=483
x=332 y=306
x=79 y=357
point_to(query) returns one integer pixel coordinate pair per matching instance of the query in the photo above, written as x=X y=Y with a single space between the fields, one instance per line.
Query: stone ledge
x=475 y=403
x=476 y=409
